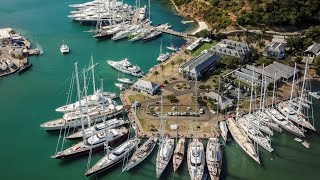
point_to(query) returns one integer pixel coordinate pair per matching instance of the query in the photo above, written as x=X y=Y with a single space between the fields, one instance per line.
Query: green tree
x=156 y=73
x=230 y=61
x=162 y=68
x=172 y=64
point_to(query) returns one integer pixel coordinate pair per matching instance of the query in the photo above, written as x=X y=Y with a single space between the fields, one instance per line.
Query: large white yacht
x=164 y=155
x=214 y=158
x=142 y=153
x=126 y=67
x=93 y=142
x=73 y=119
x=114 y=157
x=96 y=99
x=90 y=131
x=278 y=118
x=196 y=159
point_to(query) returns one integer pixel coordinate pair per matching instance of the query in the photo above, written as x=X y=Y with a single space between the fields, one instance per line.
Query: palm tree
x=180 y=60
x=172 y=64
x=162 y=67
x=156 y=73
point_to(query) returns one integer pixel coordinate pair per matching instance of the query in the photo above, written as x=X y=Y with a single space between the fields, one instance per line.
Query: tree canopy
x=230 y=61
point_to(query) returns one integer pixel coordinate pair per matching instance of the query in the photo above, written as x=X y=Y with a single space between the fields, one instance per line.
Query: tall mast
x=160 y=48
x=274 y=88
x=218 y=108
x=149 y=12
x=93 y=80
x=261 y=89
x=251 y=90
x=237 y=114
x=303 y=84
x=161 y=120
x=79 y=97
x=294 y=75
x=85 y=95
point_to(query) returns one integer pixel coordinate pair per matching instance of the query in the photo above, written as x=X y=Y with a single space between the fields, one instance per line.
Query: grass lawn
x=138 y=97
x=203 y=47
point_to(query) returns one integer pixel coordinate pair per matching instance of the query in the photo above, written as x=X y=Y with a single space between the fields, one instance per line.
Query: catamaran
x=64 y=48
x=214 y=158
x=90 y=131
x=142 y=153
x=126 y=67
x=114 y=157
x=94 y=142
x=178 y=154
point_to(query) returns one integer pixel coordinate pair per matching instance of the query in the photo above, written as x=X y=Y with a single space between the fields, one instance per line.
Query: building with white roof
x=146 y=86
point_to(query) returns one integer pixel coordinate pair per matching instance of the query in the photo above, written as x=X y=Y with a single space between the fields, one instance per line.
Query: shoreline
x=200 y=25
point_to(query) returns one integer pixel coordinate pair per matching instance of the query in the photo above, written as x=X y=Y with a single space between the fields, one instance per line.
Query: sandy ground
x=201 y=26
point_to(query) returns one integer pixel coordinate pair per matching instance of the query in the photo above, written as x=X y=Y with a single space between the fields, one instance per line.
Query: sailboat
x=195 y=153
x=286 y=109
x=125 y=80
x=214 y=158
x=223 y=130
x=114 y=157
x=163 y=56
x=178 y=154
x=240 y=136
x=90 y=131
x=141 y=153
x=166 y=147
x=172 y=47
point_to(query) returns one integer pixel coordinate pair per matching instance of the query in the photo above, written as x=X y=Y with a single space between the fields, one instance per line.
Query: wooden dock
x=176 y=33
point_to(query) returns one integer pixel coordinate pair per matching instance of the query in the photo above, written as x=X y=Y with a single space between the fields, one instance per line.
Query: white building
x=223 y=102
x=236 y=49
x=146 y=86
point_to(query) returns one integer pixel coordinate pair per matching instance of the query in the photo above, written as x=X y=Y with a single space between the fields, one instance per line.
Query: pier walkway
x=176 y=33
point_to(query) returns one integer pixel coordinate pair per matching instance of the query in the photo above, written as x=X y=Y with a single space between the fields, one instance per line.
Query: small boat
x=178 y=154
x=306 y=144
x=114 y=157
x=64 y=48
x=172 y=47
x=110 y=124
x=94 y=142
x=315 y=95
x=125 y=80
x=142 y=153
x=3 y=65
x=9 y=62
x=298 y=139
x=121 y=86
x=214 y=158
x=223 y=130
x=196 y=159
x=164 y=155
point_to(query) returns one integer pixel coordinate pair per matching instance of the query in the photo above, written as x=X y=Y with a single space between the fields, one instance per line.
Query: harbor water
x=31 y=98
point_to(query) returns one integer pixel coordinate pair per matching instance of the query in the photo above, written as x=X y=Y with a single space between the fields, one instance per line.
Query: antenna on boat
x=93 y=80
x=252 y=79
x=218 y=108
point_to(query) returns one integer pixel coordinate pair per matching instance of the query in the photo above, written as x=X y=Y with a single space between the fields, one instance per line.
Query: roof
x=277 y=46
x=5 y=33
x=269 y=74
x=234 y=43
x=200 y=62
x=223 y=101
x=315 y=48
x=146 y=84
x=194 y=44
x=231 y=48
x=282 y=70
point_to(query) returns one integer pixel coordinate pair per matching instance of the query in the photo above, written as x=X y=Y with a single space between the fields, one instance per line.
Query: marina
x=105 y=137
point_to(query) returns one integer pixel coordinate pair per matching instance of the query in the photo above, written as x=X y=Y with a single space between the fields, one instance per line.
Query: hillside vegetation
x=225 y=13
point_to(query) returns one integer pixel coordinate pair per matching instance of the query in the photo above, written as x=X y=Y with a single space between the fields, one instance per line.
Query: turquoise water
x=30 y=99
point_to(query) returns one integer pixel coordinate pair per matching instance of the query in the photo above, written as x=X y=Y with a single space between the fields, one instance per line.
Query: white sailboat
x=214 y=158
x=166 y=147
x=223 y=130
x=240 y=136
x=195 y=152
x=163 y=56
x=172 y=47
x=95 y=129
x=141 y=153
x=114 y=157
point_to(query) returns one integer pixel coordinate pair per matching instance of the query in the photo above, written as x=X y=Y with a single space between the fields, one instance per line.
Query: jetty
x=14 y=52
